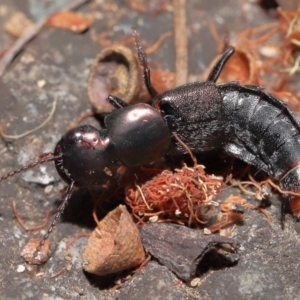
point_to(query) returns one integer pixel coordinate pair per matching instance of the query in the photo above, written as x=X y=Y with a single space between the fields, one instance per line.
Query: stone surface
x=269 y=263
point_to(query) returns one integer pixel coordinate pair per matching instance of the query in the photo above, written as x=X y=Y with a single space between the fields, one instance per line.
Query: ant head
x=85 y=159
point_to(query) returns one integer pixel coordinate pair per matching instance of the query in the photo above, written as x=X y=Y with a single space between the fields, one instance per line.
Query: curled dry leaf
x=29 y=252
x=114 y=246
x=188 y=252
x=69 y=20
x=18 y=24
x=116 y=71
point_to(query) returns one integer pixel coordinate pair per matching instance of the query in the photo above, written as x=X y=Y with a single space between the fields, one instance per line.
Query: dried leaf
x=116 y=71
x=115 y=245
x=69 y=20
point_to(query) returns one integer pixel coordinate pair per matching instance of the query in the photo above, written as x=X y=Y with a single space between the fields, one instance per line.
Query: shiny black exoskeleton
x=134 y=136
x=244 y=121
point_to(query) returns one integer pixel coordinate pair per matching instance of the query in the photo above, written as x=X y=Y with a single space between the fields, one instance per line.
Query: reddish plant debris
x=188 y=252
x=69 y=20
x=232 y=214
x=30 y=255
x=114 y=245
x=185 y=196
x=148 y=7
x=267 y=55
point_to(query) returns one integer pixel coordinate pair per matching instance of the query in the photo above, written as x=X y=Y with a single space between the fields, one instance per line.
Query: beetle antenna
x=57 y=215
x=143 y=61
x=46 y=157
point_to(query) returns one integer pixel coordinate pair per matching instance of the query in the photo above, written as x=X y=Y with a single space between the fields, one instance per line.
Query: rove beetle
x=242 y=120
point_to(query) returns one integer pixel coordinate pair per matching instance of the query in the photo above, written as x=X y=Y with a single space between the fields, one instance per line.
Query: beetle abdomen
x=245 y=121
x=264 y=132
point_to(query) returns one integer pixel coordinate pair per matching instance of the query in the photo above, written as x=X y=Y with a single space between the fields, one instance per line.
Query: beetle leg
x=246 y=156
x=143 y=61
x=116 y=102
x=218 y=67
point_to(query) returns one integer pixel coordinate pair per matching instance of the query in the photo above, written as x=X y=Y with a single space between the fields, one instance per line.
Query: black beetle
x=244 y=121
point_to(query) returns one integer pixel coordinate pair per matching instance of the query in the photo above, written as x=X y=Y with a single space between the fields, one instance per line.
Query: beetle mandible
x=245 y=121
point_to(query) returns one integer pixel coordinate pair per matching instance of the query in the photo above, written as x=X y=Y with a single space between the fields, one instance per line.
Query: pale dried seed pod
x=29 y=252
x=114 y=246
x=115 y=71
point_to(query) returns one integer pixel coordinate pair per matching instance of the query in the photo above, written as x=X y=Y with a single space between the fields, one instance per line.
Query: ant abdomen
x=138 y=134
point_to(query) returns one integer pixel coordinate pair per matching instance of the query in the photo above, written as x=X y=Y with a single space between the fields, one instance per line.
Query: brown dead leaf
x=114 y=246
x=69 y=20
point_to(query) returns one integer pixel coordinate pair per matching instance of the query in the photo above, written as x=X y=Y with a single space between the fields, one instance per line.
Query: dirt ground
x=269 y=256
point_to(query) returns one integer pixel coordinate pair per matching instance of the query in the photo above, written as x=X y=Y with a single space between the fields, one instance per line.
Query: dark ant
x=244 y=121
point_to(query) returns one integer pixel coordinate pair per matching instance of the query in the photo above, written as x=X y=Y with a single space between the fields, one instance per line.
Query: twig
x=21 y=222
x=63 y=269
x=83 y=116
x=76 y=237
x=143 y=196
x=28 y=36
x=158 y=43
x=7 y=136
x=180 y=35
x=185 y=146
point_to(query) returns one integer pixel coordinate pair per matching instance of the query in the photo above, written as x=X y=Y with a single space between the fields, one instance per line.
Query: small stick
x=143 y=264
x=158 y=43
x=17 y=136
x=276 y=187
x=185 y=146
x=29 y=35
x=63 y=269
x=76 y=237
x=67 y=267
x=21 y=222
x=180 y=35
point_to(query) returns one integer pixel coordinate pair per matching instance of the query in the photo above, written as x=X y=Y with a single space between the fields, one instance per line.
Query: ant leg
x=282 y=213
x=143 y=61
x=60 y=210
x=116 y=102
x=218 y=67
